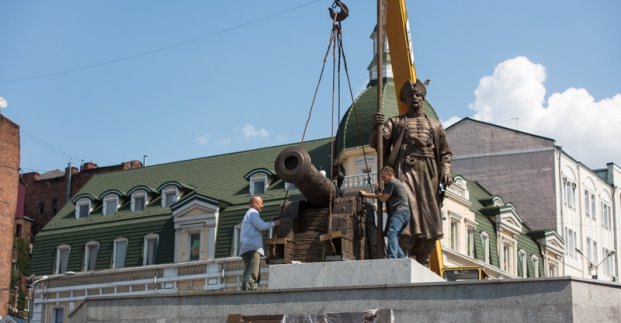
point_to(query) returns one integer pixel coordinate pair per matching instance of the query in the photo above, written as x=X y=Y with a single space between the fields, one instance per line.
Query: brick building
x=47 y=193
x=9 y=177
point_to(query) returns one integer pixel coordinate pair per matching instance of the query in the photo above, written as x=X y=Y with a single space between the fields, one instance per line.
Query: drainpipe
x=614 y=228
x=68 y=193
x=560 y=187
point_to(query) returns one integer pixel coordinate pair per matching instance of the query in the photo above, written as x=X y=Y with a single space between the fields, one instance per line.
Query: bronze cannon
x=293 y=165
x=325 y=223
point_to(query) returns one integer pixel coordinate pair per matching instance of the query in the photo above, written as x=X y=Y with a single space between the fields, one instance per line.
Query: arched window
x=170 y=195
x=236 y=240
x=139 y=200
x=523 y=264
x=485 y=244
x=258 y=184
x=90 y=255
x=569 y=188
x=119 y=250
x=535 y=262
x=83 y=208
x=62 y=258
x=149 y=253
x=110 y=204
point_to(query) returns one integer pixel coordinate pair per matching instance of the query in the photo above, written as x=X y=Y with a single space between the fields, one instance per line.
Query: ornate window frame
x=145 y=250
x=487 y=257
x=524 y=264
x=91 y=251
x=115 y=252
x=79 y=208
x=65 y=262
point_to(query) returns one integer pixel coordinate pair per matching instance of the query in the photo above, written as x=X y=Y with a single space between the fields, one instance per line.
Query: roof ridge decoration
x=178 y=184
x=141 y=187
x=196 y=197
x=259 y=170
x=111 y=191
x=75 y=199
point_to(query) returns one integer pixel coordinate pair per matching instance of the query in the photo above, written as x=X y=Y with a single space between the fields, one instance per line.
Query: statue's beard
x=414 y=109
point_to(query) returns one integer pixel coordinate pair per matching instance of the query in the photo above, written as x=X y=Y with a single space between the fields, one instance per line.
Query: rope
x=310 y=111
x=355 y=111
x=335 y=44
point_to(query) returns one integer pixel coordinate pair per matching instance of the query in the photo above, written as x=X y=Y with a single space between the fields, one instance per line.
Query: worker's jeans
x=397 y=222
x=252 y=273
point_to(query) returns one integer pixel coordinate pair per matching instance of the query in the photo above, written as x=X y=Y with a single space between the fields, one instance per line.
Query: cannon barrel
x=293 y=165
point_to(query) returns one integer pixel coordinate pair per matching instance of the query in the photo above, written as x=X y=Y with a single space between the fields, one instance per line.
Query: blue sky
x=111 y=81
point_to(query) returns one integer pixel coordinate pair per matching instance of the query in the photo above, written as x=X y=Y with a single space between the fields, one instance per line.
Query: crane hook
x=342 y=14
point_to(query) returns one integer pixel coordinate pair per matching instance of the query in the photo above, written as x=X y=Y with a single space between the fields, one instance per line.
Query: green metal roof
x=480 y=199
x=220 y=178
x=359 y=119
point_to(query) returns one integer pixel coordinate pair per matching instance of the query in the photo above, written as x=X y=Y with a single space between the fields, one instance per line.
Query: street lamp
x=591 y=266
x=35 y=281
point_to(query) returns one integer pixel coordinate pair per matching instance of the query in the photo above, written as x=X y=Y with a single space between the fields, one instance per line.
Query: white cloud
x=250 y=132
x=586 y=129
x=450 y=121
x=202 y=139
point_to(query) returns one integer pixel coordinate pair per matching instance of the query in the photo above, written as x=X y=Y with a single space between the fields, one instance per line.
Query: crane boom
x=403 y=69
x=400 y=44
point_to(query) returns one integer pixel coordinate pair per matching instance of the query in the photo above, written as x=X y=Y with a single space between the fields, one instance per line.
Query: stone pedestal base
x=350 y=273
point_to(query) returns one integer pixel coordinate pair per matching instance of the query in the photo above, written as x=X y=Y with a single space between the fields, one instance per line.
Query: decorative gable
x=459 y=190
x=552 y=243
x=195 y=220
x=509 y=220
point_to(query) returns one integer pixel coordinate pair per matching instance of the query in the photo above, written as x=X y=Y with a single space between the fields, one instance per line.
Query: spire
x=387 y=69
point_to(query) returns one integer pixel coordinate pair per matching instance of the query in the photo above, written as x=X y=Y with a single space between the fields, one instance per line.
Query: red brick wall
x=9 y=177
x=44 y=197
x=41 y=195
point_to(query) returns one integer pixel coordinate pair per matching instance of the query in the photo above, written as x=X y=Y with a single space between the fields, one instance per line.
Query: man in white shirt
x=251 y=248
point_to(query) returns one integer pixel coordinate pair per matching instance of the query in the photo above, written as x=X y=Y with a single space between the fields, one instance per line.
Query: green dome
x=354 y=134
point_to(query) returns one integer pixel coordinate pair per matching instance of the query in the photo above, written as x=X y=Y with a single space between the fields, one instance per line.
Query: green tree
x=22 y=269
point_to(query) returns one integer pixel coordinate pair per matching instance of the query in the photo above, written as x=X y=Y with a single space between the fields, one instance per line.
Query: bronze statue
x=415 y=147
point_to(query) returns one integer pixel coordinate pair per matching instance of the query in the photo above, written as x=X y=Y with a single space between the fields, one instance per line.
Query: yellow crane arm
x=402 y=60
x=400 y=45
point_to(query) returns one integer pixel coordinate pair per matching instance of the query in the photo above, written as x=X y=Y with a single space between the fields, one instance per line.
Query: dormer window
x=83 y=208
x=139 y=201
x=258 y=184
x=259 y=180
x=140 y=196
x=110 y=204
x=171 y=192
x=170 y=196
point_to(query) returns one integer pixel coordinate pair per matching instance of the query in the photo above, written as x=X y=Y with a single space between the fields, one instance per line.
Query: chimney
x=89 y=165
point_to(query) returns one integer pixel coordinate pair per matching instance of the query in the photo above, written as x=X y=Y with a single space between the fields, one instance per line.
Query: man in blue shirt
x=398 y=210
x=251 y=248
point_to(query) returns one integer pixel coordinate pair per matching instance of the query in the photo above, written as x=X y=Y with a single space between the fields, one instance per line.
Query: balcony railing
x=180 y=278
x=360 y=180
